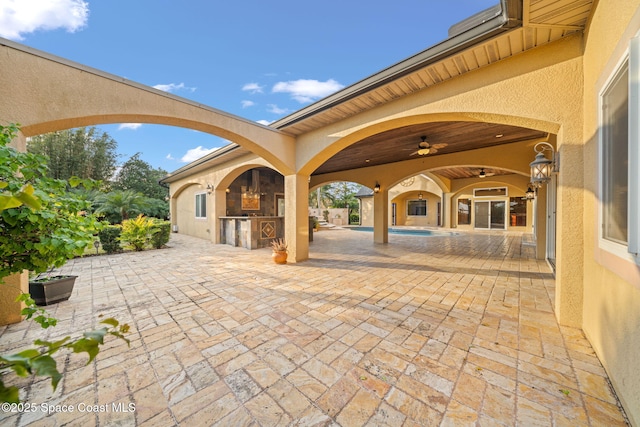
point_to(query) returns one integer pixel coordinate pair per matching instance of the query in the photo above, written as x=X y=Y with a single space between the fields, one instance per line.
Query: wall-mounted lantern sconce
x=209 y=188
x=530 y=194
x=541 y=167
x=228 y=190
x=376 y=189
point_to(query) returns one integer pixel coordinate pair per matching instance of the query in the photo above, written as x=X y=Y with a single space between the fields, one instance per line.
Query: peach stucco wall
x=611 y=311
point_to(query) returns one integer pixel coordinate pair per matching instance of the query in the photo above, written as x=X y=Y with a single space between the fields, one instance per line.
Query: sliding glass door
x=490 y=215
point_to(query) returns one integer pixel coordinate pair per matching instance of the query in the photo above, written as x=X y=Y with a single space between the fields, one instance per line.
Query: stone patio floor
x=423 y=331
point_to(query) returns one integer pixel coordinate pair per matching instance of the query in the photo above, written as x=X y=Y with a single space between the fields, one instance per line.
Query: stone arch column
x=296 y=219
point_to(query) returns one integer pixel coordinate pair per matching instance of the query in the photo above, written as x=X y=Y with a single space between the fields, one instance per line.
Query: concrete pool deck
x=442 y=330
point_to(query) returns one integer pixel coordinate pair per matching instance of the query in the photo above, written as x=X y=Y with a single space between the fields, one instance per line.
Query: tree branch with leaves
x=42 y=225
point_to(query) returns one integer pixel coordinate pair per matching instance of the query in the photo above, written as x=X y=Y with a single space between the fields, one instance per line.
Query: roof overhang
x=485 y=38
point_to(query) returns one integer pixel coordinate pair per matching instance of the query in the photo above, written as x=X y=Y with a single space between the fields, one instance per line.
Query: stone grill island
x=251 y=232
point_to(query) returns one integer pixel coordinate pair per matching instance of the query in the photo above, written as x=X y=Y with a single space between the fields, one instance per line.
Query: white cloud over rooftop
x=306 y=90
x=19 y=17
x=196 y=153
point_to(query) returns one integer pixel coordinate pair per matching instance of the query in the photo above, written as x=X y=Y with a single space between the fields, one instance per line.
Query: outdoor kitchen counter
x=251 y=232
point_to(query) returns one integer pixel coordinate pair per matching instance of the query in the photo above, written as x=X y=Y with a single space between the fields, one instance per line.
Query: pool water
x=407 y=231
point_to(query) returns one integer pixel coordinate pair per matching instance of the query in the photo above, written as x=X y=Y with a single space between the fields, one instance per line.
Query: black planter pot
x=52 y=290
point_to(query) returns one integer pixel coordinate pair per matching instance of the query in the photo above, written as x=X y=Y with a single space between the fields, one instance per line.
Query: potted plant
x=280 y=252
x=48 y=289
x=45 y=224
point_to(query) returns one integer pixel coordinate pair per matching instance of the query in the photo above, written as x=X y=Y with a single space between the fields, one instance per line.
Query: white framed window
x=619 y=157
x=490 y=192
x=417 y=207
x=201 y=205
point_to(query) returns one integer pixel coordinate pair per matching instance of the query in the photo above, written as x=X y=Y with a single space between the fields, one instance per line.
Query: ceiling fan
x=484 y=174
x=425 y=148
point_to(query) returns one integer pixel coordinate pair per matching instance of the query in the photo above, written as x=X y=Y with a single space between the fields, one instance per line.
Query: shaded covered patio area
x=441 y=330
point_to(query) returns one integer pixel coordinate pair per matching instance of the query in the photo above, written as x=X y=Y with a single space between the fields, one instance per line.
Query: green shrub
x=42 y=223
x=109 y=238
x=137 y=233
x=161 y=234
x=354 y=218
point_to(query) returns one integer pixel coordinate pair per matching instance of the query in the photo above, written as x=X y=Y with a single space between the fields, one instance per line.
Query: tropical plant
x=119 y=205
x=320 y=197
x=156 y=208
x=137 y=233
x=279 y=245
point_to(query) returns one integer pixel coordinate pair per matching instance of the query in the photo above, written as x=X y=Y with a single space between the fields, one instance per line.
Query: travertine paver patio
x=423 y=331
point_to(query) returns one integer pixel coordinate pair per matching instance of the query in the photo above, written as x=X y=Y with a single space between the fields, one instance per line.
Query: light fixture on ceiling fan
x=425 y=148
x=484 y=174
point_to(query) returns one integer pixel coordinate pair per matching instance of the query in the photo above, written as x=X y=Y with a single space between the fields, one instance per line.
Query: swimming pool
x=408 y=231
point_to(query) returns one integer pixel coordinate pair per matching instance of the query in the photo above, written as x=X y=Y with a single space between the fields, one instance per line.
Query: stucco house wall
x=186 y=213
x=611 y=309
x=402 y=216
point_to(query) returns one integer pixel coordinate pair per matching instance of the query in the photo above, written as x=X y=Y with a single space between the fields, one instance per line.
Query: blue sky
x=260 y=60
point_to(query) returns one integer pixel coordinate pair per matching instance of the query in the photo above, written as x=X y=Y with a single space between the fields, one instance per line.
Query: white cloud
x=252 y=88
x=132 y=126
x=170 y=157
x=307 y=90
x=18 y=17
x=172 y=87
x=196 y=153
x=264 y=122
x=246 y=104
x=273 y=108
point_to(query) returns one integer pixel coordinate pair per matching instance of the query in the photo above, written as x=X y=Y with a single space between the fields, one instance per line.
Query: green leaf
x=111 y=321
x=26 y=196
x=52 y=346
x=8 y=202
x=86 y=345
x=45 y=366
x=74 y=181
x=9 y=394
x=28 y=354
x=97 y=335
